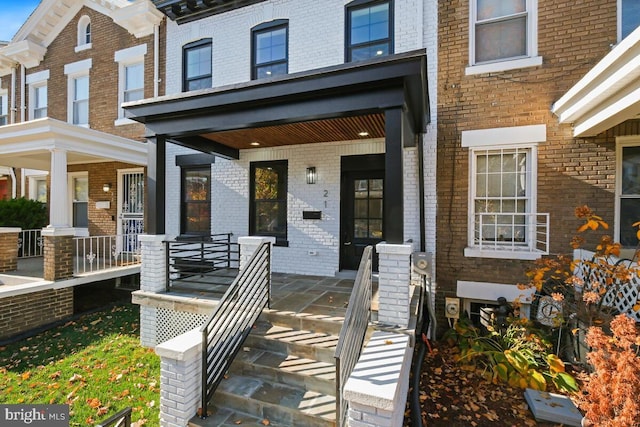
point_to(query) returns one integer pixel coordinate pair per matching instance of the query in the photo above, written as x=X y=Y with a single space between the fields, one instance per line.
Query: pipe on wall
x=22 y=91
x=13 y=95
x=156 y=59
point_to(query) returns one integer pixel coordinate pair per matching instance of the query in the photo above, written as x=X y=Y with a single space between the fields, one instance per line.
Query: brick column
x=394 y=279
x=180 y=378
x=249 y=244
x=153 y=278
x=58 y=253
x=9 y=248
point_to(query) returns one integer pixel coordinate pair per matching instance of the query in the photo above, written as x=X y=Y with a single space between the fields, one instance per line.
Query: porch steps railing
x=286 y=371
x=354 y=329
x=96 y=253
x=192 y=262
x=224 y=333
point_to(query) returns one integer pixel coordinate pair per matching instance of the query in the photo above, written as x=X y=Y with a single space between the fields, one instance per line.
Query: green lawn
x=94 y=364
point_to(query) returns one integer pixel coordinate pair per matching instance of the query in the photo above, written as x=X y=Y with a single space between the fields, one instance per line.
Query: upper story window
x=84 y=34
x=78 y=92
x=196 y=65
x=130 y=77
x=38 y=99
x=4 y=118
x=269 y=49
x=503 y=222
x=268 y=200
x=628 y=17
x=369 y=29
x=503 y=35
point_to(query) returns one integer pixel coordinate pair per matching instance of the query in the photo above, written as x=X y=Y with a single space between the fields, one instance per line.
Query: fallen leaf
x=265 y=422
x=25 y=375
x=94 y=403
x=387 y=342
x=75 y=377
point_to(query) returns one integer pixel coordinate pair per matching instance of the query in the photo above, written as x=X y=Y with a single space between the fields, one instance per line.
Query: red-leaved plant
x=611 y=397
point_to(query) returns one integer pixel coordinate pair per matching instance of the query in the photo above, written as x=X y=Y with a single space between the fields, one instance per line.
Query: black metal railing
x=120 y=419
x=200 y=259
x=354 y=329
x=226 y=329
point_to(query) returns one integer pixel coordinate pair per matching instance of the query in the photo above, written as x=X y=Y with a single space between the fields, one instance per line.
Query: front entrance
x=361 y=209
x=130 y=209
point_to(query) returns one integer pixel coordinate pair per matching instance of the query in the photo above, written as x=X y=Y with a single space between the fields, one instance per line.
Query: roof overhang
x=183 y=11
x=608 y=94
x=350 y=94
x=29 y=145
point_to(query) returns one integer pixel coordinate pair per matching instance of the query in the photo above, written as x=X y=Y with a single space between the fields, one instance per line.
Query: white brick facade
x=316 y=40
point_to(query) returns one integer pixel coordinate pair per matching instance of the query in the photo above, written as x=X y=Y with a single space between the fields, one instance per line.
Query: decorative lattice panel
x=623 y=296
x=172 y=323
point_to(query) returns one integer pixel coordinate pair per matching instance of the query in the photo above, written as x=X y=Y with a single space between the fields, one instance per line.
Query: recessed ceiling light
x=378 y=53
x=255 y=143
x=363 y=134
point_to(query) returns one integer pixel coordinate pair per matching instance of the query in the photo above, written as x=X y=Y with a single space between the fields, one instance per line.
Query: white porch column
x=394 y=280
x=249 y=244
x=58 y=199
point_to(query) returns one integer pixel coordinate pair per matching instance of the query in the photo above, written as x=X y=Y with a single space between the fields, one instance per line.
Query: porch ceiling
x=608 y=94
x=29 y=145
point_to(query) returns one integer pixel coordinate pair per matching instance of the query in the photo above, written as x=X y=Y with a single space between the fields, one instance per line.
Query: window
x=80 y=201
x=268 y=205
x=503 y=222
x=628 y=192
x=196 y=65
x=628 y=17
x=40 y=102
x=38 y=188
x=3 y=110
x=269 y=47
x=84 y=34
x=80 y=100
x=502 y=31
x=131 y=77
x=196 y=201
x=369 y=29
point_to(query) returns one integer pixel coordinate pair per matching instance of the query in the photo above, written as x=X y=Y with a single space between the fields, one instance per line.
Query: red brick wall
x=24 y=312
x=8 y=251
x=572 y=37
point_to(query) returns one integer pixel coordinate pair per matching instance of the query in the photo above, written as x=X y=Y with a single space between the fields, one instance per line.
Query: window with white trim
x=503 y=222
x=84 y=34
x=628 y=193
x=131 y=77
x=4 y=114
x=628 y=17
x=78 y=92
x=79 y=199
x=502 y=35
x=38 y=188
x=38 y=99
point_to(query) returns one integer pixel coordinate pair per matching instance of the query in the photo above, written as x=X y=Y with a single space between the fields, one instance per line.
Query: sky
x=13 y=13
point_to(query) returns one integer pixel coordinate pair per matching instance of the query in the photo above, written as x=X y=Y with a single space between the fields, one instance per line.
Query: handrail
x=30 y=243
x=190 y=259
x=229 y=325
x=117 y=419
x=353 y=331
x=95 y=253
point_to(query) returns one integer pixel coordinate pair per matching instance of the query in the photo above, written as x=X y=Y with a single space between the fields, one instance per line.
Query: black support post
x=393 y=179
x=156 y=173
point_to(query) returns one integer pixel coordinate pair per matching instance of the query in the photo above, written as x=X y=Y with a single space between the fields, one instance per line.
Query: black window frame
x=263 y=28
x=361 y=4
x=282 y=166
x=192 y=47
x=184 y=203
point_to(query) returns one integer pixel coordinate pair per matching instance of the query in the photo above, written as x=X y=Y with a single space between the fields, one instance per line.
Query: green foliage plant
x=24 y=213
x=516 y=354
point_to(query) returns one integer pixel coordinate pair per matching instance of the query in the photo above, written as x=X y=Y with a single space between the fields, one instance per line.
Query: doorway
x=361 y=208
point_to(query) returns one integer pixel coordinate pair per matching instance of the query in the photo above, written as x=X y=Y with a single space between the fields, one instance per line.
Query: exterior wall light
x=106 y=187
x=311 y=175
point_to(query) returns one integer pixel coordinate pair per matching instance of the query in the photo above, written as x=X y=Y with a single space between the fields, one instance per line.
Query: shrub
x=23 y=213
x=611 y=397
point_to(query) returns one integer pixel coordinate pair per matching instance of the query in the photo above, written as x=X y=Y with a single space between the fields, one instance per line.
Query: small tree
x=23 y=213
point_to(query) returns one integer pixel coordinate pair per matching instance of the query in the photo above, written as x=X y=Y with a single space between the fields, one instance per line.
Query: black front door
x=361 y=215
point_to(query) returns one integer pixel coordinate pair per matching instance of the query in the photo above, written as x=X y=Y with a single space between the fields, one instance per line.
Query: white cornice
x=139 y=18
x=608 y=94
x=25 y=52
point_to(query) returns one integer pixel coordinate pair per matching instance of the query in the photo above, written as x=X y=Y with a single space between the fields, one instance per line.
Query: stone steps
x=282 y=374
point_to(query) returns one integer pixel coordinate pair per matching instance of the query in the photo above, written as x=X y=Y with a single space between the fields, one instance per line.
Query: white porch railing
x=622 y=296
x=97 y=253
x=30 y=243
x=522 y=232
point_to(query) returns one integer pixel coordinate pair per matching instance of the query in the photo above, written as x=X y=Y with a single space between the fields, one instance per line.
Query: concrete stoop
x=282 y=374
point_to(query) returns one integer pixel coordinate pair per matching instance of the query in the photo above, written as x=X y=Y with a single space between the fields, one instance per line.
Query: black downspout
x=421 y=342
x=421 y=191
